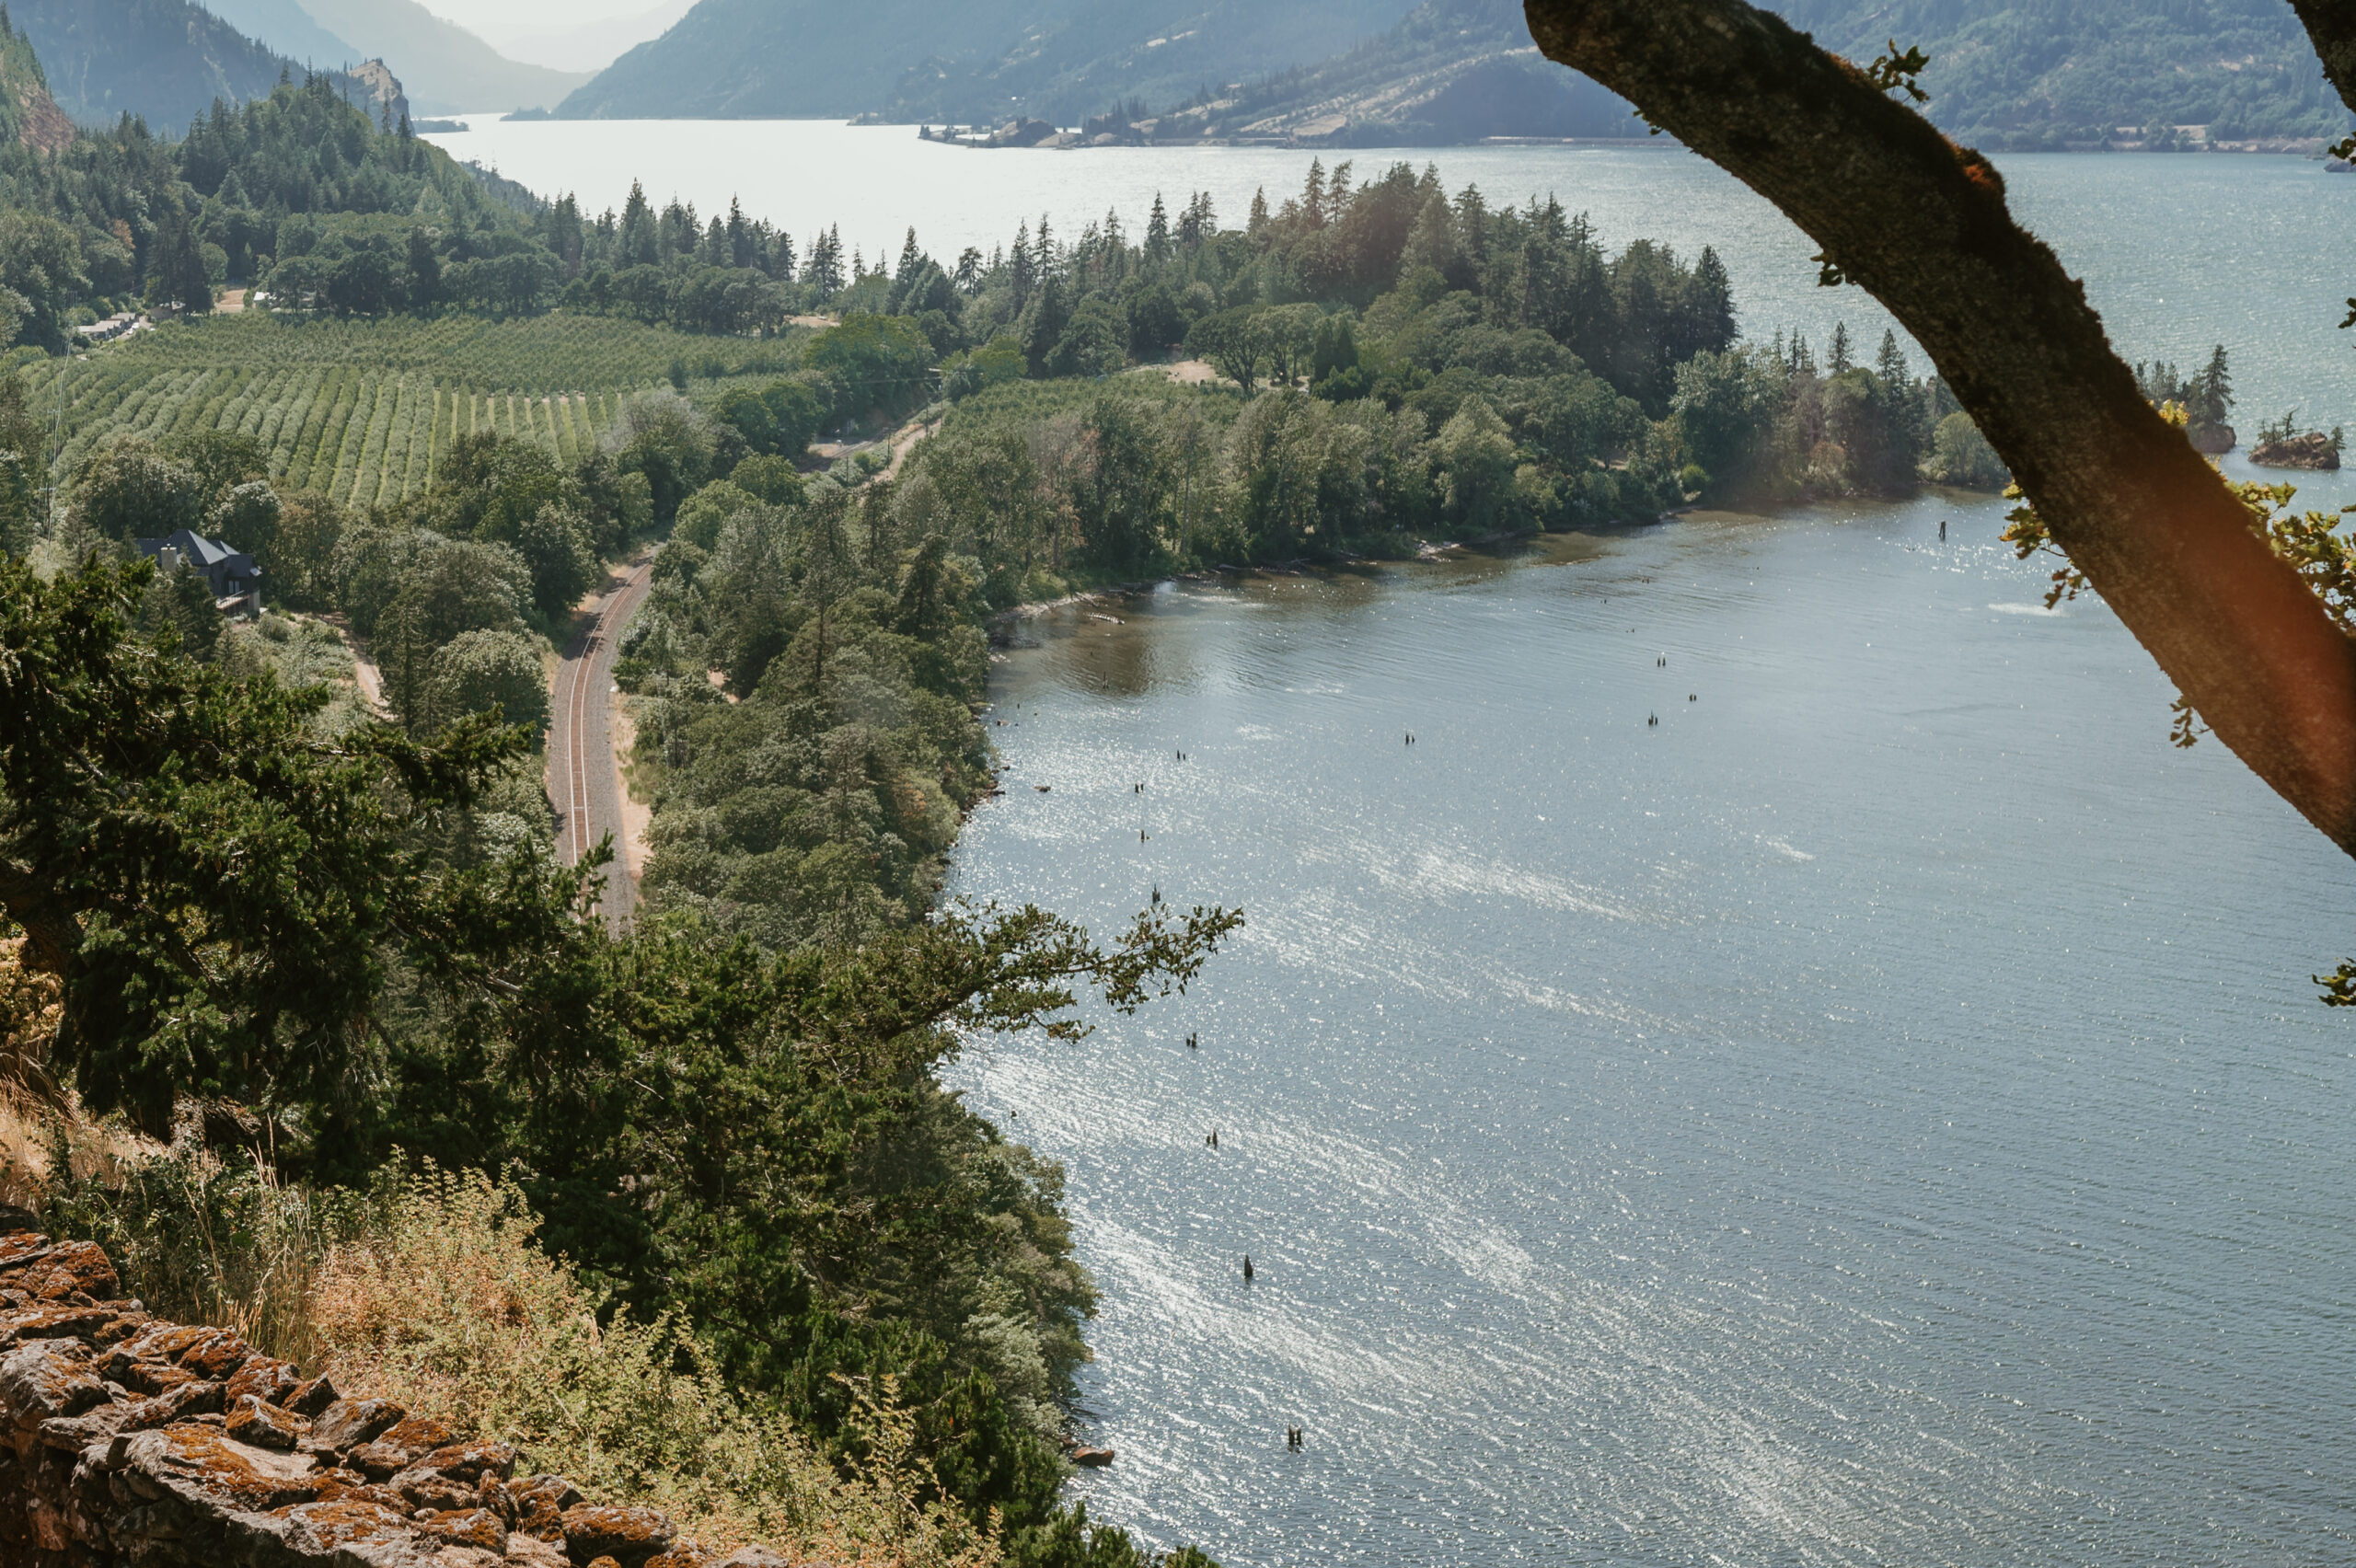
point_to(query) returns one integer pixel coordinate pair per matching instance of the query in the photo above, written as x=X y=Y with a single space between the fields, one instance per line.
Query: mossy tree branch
x=1923 y=226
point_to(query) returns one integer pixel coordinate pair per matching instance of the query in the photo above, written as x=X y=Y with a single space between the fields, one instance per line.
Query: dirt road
x=584 y=781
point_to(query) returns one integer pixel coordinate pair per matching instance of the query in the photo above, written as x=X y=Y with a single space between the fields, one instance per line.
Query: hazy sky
x=573 y=35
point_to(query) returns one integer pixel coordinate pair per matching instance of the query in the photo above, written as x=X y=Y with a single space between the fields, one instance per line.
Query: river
x=1875 y=1114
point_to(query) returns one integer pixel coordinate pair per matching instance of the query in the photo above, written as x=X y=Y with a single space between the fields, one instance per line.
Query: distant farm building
x=234 y=579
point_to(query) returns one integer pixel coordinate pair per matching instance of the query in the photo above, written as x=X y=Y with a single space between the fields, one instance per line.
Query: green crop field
x=364 y=410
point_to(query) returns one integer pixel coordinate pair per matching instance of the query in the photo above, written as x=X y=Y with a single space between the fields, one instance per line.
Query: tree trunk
x=1923 y=226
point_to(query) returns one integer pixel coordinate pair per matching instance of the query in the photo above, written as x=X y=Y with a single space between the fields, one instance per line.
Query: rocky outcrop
x=2216 y=440
x=125 y=1440
x=2313 y=450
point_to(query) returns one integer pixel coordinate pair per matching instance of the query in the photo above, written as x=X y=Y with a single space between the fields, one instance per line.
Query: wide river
x=1877 y=1114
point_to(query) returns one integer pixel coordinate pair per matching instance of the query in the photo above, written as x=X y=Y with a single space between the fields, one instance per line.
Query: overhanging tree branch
x=2331 y=26
x=1923 y=226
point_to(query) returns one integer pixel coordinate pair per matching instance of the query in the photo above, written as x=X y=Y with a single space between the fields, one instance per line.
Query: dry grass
x=444 y=1306
x=430 y=1292
x=36 y=1116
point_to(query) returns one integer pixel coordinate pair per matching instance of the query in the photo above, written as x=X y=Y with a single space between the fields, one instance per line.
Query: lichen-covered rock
x=399 y=1447
x=188 y=1459
x=539 y=1501
x=478 y=1527
x=347 y=1423
x=630 y=1535
x=530 y=1551
x=130 y=1443
x=266 y=1379
x=313 y=1398
x=67 y=1269
x=191 y=1398
x=100 y=1324
x=470 y=1461
x=43 y=1380
x=265 y=1426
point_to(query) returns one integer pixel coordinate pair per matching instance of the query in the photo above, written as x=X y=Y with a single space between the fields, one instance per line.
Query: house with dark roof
x=234 y=579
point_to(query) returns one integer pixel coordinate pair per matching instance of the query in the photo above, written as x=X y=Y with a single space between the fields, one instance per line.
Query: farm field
x=364 y=410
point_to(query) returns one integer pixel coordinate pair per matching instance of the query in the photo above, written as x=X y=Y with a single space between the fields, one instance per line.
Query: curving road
x=584 y=781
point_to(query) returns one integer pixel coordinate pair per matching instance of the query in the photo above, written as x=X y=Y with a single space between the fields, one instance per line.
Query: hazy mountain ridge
x=1107 y=51
x=166 y=60
x=2027 y=72
x=1452 y=71
x=743 y=58
x=285 y=28
x=2004 y=72
x=446 y=69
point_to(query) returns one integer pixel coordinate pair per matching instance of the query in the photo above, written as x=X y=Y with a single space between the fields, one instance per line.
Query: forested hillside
x=166 y=60
x=1452 y=71
x=2044 y=72
x=1065 y=59
x=2004 y=72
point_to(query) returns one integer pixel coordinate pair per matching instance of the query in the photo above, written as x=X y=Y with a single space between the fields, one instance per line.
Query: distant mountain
x=2047 y=73
x=446 y=69
x=164 y=59
x=284 y=28
x=2004 y=74
x=1453 y=71
x=28 y=113
x=968 y=60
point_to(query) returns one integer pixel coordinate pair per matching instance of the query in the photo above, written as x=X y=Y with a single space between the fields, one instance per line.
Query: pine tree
x=1836 y=358
x=1892 y=367
x=2210 y=397
x=1432 y=242
x=1024 y=274
x=1258 y=224
x=639 y=244
x=740 y=236
x=1156 y=231
x=1710 y=304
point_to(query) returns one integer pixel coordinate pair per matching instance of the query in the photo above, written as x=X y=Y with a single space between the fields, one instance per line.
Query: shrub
x=1960 y=456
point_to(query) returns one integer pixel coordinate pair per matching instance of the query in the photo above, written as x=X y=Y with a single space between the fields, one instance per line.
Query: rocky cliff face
x=125 y=1440
x=385 y=93
x=26 y=111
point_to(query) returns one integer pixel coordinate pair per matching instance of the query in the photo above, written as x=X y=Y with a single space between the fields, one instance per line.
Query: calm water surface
x=1877 y=1114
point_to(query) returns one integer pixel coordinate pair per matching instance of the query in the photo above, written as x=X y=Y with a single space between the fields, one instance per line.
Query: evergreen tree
x=1157 y=232
x=639 y=244
x=1891 y=365
x=1836 y=358
x=2208 y=399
